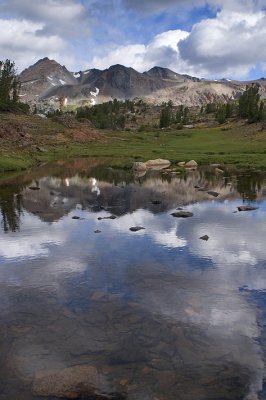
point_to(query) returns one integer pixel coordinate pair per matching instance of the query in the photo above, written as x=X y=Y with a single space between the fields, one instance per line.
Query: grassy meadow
x=205 y=145
x=232 y=143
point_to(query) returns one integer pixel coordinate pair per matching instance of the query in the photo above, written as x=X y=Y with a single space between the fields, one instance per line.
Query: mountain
x=47 y=80
x=45 y=74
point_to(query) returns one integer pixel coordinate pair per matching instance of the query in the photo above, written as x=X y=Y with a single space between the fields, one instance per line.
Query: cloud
x=56 y=16
x=230 y=44
x=19 y=41
x=162 y=50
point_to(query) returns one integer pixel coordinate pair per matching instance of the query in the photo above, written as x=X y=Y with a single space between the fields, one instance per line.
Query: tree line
x=249 y=106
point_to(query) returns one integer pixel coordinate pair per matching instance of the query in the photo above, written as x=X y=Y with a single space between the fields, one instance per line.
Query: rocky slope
x=48 y=81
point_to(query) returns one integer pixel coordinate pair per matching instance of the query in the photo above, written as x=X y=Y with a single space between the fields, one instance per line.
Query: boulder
x=159 y=162
x=191 y=164
x=219 y=171
x=139 y=166
x=182 y=214
x=181 y=163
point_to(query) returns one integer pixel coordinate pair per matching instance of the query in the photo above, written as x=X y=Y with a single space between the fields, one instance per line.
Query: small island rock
x=205 y=237
x=136 y=228
x=182 y=214
x=247 y=208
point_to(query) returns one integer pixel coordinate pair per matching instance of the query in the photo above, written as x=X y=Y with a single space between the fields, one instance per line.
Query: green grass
x=243 y=145
x=203 y=145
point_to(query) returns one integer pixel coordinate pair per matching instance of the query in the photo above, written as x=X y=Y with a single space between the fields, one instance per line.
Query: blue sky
x=211 y=39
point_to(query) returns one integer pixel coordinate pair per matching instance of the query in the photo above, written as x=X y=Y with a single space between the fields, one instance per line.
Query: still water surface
x=154 y=314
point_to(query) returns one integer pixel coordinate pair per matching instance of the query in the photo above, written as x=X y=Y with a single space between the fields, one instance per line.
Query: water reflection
x=97 y=186
x=156 y=314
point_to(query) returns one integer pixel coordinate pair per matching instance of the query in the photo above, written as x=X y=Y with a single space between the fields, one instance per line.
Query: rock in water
x=111 y=217
x=34 y=188
x=205 y=237
x=214 y=194
x=182 y=214
x=136 y=228
x=191 y=164
x=159 y=162
x=247 y=208
x=156 y=202
x=75 y=217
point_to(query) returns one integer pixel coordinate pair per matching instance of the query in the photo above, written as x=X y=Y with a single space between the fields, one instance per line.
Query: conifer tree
x=9 y=83
x=249 y=106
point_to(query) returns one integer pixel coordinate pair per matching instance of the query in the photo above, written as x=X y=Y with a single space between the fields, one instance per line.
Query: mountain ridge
x=47 y=80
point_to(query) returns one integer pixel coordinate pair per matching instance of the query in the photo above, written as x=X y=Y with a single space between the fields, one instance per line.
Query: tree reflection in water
x=11 y=210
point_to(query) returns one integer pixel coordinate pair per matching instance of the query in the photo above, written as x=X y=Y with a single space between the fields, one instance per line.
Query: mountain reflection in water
x=159 y=313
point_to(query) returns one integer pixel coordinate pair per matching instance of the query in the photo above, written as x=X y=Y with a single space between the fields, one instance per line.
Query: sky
x=214 y=39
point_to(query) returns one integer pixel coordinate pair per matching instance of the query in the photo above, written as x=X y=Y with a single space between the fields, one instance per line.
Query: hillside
x=47 y=81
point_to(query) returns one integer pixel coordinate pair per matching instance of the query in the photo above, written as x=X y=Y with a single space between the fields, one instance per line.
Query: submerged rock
x=72 y=383
x=97 y=231
x=34 y=188
x=247 y=208
x=136 y=228
x=156 y=202
x=182 y=214
x=76 y=217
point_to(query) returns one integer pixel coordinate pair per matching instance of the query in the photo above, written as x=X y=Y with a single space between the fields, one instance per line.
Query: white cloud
x=230 y=44
x=20 y=42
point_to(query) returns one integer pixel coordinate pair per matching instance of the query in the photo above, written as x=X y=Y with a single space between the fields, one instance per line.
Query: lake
x=92 y=310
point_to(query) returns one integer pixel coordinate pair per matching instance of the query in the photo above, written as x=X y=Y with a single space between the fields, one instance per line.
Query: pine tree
x=9 y=83
x=249 y=104
x=166 y=116
x=221 y=114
